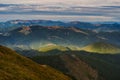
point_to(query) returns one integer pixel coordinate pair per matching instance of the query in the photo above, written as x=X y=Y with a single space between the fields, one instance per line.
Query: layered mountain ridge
x=13 y=24
x=37 y=37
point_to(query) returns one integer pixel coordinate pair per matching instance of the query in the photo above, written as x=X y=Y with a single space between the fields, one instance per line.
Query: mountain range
x=55 y=50
x=36 y=37
x=106 y=27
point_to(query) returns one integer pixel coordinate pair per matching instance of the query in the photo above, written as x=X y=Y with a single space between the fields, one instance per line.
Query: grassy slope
x=16 y=67
x=52 y=47
x=103 y=48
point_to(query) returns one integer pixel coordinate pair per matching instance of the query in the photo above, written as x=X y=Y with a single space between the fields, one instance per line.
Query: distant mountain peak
x=26 y=30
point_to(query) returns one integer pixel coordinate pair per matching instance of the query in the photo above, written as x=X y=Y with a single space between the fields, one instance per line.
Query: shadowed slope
x=70 y=64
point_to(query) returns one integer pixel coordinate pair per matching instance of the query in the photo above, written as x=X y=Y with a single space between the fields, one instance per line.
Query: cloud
x=61 y=10
x=109 y=12
x=66 y=2
x=56 y=17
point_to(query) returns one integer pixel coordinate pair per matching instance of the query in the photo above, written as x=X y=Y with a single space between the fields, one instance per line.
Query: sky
x=65 y=10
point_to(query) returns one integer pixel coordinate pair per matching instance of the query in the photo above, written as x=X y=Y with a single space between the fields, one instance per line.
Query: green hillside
x=101 y=47
x=50 y=47
x=16 y=67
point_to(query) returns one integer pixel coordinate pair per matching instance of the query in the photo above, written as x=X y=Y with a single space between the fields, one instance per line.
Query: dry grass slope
x=15 y=67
